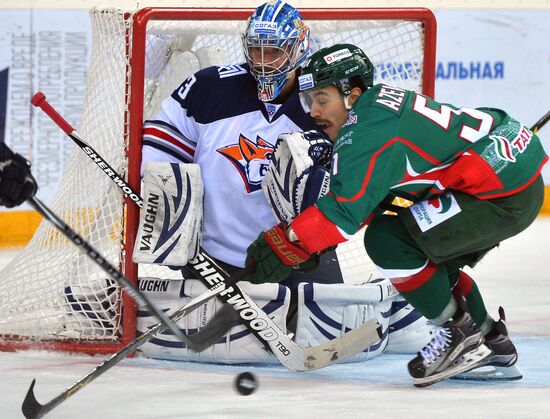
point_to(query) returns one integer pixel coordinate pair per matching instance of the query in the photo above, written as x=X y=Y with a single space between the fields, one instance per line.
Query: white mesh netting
x=53 y=292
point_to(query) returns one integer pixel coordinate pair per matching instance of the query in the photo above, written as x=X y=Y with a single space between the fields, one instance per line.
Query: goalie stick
x=314 y=357
x=251 y=316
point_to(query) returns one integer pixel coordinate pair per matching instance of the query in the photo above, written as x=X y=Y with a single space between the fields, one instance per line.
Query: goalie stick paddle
x=33 y=409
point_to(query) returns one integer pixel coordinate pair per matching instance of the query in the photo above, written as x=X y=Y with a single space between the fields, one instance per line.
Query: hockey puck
x=246 y=383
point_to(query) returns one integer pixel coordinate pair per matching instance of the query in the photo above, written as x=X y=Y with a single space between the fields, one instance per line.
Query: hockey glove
x=273 y=256
x=16 y=181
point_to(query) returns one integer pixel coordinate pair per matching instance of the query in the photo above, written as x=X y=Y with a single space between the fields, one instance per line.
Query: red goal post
x=52 y=296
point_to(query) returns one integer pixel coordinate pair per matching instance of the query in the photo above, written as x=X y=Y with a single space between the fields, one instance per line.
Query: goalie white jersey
x=214 y=119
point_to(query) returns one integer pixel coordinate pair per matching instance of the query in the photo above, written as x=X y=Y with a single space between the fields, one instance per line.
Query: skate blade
x=469 y=361
x=491 y=373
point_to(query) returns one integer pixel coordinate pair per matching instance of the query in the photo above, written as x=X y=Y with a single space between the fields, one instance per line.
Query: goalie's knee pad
x=409 y=331
x=327 y=311
x=237 y=346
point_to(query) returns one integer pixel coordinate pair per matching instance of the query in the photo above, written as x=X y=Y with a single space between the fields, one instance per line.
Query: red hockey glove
x=274 y=256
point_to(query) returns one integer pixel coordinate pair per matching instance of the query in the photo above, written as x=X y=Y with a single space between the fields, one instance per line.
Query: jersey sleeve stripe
x=172 y=130
x=160 y=136
x=168 y=149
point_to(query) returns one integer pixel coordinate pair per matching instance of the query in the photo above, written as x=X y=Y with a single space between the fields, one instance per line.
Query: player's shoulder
x=223 y=74
x=218 y=92
x=387 y=98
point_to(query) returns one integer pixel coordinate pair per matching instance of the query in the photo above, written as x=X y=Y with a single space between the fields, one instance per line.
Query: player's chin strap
x=346 y=102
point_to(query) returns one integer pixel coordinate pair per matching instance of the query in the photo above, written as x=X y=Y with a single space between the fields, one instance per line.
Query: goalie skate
x=457 y=346
x=502 y=365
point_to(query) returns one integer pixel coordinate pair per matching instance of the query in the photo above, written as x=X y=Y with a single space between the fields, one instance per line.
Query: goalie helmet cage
x=54 y=297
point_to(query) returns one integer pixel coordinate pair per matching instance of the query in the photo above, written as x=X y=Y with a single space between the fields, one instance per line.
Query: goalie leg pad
x=326 y=311
x=171 y=219
x=409 y=331
x=237 y=346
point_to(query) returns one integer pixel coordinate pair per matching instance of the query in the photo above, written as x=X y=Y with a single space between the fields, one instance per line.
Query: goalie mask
x=275 y=42
x=343 y=65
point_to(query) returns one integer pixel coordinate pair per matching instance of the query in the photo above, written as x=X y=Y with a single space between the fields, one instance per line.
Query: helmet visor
x=320 y=99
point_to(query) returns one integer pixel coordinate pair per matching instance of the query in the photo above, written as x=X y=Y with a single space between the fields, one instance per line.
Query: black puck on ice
x=246 y=383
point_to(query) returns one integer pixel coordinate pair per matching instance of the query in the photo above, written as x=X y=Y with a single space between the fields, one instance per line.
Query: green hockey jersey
x=400 y=143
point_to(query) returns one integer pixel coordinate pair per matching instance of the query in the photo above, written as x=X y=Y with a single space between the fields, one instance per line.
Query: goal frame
x=135 y=79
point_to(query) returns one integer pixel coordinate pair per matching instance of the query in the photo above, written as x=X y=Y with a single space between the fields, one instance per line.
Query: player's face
x=328 y=109
x=268 y=60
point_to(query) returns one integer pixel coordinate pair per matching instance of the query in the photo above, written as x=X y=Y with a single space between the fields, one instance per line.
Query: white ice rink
x=517 y=276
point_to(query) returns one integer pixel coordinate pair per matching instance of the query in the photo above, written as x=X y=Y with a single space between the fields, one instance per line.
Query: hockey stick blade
x=33 y=409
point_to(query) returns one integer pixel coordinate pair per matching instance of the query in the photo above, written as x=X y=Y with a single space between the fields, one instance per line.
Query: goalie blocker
x=171 y=220
x=324 y=311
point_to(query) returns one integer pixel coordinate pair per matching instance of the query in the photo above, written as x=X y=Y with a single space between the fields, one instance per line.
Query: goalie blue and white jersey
x=214 y=119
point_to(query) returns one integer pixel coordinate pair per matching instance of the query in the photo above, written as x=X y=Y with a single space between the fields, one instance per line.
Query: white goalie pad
x=327 y=311
x=298 y=173
x=171 y=218
x=237 y=346
x=409 y=331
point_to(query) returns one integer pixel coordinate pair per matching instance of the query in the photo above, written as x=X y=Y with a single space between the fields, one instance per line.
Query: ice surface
x=516 y=275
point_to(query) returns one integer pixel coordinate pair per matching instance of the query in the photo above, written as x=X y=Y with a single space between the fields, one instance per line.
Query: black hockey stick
x=113 y=272
x=197 y=340
x=33 y=409
x=541 y=122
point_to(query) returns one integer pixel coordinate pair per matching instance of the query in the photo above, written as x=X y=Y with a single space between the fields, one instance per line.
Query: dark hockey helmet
x=343 y=65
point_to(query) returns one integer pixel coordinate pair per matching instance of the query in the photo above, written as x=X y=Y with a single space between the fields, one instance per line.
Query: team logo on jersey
x=271 y=110
x=250 y=159
x=503 y=148
x=434 y=211
x=352 y=119
x=441 y=203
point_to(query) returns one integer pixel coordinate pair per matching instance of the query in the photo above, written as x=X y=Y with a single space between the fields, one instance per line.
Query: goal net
x=53 y=296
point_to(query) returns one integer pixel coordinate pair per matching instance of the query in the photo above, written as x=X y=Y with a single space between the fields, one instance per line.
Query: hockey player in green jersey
x=473 y=176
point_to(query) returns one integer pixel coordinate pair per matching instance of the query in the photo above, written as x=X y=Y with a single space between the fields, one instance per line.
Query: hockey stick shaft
x=33 y=409
x=39 y=100
x=541 y=122
x=114 y=273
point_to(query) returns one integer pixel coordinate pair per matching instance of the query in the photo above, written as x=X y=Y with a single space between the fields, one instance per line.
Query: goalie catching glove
x=273 y=256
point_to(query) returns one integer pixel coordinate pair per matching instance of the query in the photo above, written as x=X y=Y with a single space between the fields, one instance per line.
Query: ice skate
x=502 y=365
x=457 y=346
